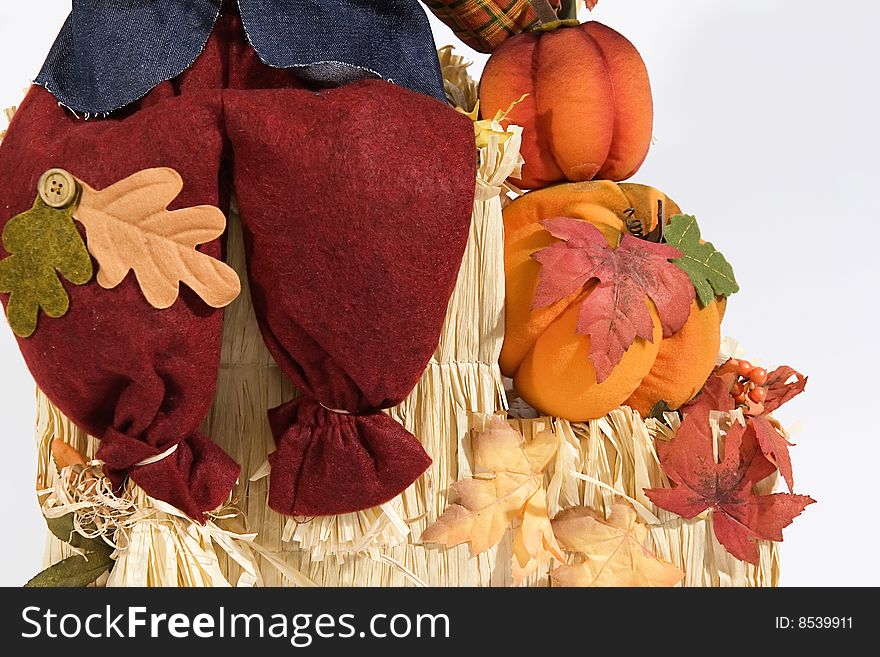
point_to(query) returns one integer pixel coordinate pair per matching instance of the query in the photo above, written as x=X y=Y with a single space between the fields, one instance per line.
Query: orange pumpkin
x=588 y=113
x=684 y=361
x=545 y=355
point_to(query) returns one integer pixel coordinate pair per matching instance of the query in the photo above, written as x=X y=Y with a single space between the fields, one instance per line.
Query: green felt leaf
x=63 y=528
x=73 y=571
x=708 y=270
x=43 y=243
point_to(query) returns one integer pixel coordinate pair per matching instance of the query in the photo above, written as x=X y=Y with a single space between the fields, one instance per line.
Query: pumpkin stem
x=633 y=223
x=546 y=13
x=636 y=227
x=656 y=234
x=569 y=9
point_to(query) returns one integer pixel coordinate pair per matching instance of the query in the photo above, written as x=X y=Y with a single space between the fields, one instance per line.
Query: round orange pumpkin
x=545 y=355
x=588 y=113
x=684 y=361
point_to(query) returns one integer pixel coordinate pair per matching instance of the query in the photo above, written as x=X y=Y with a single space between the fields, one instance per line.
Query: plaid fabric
x=484 y=24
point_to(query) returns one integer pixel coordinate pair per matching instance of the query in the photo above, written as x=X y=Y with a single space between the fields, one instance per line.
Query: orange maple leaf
x=129 y=228
x=614 y=550
x=506 y=490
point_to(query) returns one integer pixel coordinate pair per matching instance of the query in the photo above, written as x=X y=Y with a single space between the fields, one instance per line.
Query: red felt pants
x=356 y=203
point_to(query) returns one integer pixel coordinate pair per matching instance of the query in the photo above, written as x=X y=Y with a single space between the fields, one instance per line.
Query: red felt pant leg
x=356 y=204
x=139 y=378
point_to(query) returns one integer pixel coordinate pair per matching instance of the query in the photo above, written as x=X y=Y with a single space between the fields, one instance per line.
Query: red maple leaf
x=774 y=445
x=739 y=516
x=715 y=395
x=778 y=388
x=615 y=313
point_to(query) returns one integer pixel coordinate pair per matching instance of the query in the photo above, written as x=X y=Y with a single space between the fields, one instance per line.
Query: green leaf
x=708 y=270
x=63 y=528
x=73 y=571
x=43 y=242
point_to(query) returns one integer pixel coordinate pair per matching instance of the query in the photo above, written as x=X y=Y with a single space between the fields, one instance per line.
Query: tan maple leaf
x=614 y=551
x=129 y=227
x=533 y=540
x=506 y=490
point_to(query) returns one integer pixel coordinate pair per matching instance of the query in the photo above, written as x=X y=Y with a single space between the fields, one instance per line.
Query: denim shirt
x=112 y=52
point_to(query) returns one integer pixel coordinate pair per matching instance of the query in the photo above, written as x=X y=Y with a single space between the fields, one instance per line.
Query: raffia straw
x=615 y=455
x=154 y=543
x=9 y=112
x=52 y=424
x=461 y=89
x=97 y=511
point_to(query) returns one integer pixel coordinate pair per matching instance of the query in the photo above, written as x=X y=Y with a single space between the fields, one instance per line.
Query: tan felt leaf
x=533 y=541
x=129 y=227
x=510 y=473
x=614 y=551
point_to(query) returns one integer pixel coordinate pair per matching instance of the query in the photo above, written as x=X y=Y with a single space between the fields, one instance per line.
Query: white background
x=766 y=128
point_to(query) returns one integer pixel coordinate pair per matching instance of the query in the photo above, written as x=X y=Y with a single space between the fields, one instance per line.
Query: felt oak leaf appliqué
x=129 y=228
x=739 y=516
x=707 y=268
x=616 y=311
x=43 y=242
x=506 y=490
x=614 y=551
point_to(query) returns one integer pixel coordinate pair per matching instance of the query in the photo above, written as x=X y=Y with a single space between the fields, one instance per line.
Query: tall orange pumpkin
x=588 y=113
x=543 y=352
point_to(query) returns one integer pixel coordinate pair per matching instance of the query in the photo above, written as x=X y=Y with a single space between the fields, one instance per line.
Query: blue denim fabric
x=112 y=52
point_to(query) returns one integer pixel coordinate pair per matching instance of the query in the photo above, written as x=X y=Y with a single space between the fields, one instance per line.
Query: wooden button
x=57 y=188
